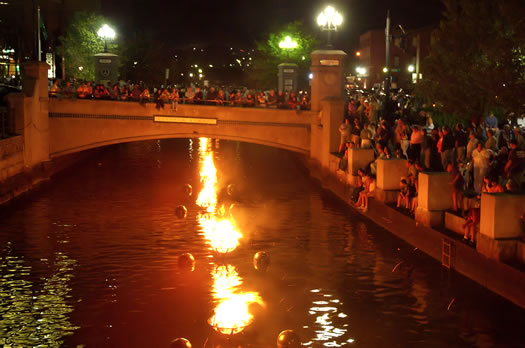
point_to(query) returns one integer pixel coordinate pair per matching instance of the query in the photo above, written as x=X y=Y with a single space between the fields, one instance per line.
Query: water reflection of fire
x=232 y=314
x=208 y=196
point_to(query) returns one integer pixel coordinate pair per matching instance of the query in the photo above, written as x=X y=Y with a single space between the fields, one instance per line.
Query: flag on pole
x=43 y=27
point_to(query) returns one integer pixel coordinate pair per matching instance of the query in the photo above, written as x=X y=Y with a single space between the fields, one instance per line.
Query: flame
x=221 y=234
x=232 y=314
x=208 y=196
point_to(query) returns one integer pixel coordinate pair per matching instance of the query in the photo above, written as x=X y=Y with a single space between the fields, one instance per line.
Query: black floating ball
x=180 y=343
x=181 y=212
x=261 y=261
x=288 y=339
x=188 y=189
x=231 y=189
x=187 y=262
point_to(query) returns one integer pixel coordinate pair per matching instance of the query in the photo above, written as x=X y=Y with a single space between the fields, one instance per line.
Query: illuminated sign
x=329 y=62
x=176 y=119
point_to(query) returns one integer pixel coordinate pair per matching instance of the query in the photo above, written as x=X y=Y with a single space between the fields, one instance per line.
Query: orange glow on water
x=221 y=234
x=208 y=196
x=232 y=314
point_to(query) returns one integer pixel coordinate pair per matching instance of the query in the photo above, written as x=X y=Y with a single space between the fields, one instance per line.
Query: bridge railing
x=174 y=101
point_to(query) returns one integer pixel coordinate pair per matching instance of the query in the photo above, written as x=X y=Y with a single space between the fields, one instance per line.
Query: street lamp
x=106 y=33
x=411 y=68
x=288 y=43
x=329 y=20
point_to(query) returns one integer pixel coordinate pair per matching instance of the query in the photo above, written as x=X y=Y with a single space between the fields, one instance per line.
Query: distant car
x=5 y=90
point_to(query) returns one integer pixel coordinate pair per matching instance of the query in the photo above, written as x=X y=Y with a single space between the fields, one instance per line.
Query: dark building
x=19 y=34
x=407 y=51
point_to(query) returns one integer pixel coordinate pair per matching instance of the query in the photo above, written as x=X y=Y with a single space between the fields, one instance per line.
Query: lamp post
x=287 y=72
x=287 y=44
x=328 y=21
x=105 y=33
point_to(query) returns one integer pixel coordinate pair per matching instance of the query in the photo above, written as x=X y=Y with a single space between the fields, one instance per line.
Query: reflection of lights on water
x=327 y=314
x=221 y=234
x=232 y=314
x=208 y=196
x=30 y=316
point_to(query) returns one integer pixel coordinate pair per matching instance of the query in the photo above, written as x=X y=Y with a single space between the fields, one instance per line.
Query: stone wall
x=11 y=156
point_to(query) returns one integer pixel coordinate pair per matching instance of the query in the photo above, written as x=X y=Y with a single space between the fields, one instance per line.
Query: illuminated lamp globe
x=288 y=339
x=411 y=68
x=261 y=261
x=187 y=262
x=180 y=343
x=181 y=212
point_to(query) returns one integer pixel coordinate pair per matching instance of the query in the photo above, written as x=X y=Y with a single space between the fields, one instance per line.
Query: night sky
x=243 y=21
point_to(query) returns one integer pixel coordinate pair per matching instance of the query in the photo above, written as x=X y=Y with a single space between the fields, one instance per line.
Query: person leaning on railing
x=55 y=89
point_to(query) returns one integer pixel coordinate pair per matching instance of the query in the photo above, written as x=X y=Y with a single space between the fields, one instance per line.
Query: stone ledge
x=504 y=250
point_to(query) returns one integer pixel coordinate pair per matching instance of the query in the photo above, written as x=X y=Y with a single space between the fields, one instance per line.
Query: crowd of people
x=484 y=157
x=227 y=96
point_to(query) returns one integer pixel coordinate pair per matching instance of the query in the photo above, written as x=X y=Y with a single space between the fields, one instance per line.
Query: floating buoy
x=180 y=343
x=188 y=189
x=288 y=339
x=187 y=262
x=181 y=212
x=261 y=261
x=231 y=189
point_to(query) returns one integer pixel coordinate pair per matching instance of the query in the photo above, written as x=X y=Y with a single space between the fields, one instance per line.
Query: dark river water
x=91 y=259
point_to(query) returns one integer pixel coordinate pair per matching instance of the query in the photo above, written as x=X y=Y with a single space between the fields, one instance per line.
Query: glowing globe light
x=329 y=19
x=288 y=43
x=106 y=32
x=411 y=68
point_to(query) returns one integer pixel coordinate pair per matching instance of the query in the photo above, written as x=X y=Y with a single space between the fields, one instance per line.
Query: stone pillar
x=325 y=134
x=287 y=74
x=389 y=173
x=35 y=113
x=434 y=197
x=500 y=226
x=106 y=68
x=328 y=75
x=359 y=158
x=500 y=215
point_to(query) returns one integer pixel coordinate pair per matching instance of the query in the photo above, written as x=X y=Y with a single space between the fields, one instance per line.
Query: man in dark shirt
x=272 y=99
x=514 y=164
x=211 y=97
x=446 y=147
x=461 y=138
x=280 y=100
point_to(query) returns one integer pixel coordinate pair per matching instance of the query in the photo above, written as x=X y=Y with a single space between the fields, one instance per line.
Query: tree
x=81 y=42
x=270 y=54
x=477 y=60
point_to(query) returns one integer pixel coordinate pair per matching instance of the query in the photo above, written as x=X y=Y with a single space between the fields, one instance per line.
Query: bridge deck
x=77 y=125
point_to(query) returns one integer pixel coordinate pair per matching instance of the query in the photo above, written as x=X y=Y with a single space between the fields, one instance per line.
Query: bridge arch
x=77 y=125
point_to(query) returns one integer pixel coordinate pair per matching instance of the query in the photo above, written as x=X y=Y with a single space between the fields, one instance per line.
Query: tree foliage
x=477 y=60
x=270 y=54
x=81 y=42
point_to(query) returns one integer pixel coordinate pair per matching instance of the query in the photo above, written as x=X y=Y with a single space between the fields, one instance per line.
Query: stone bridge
x=76 y=124
x=55 y=127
